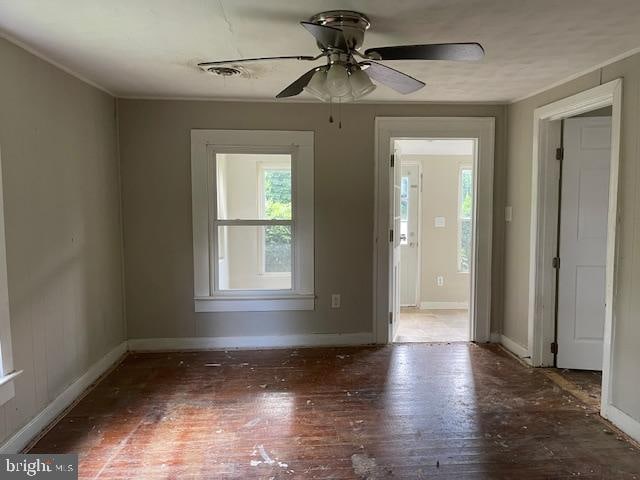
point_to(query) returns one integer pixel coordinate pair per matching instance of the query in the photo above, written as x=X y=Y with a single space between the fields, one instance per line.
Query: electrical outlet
x=440 y=280
x=335 y=300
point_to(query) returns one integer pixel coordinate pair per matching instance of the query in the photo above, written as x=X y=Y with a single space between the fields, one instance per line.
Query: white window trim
x=204 y=145
x=262 y=168
x=7 y=371
x=461 y=169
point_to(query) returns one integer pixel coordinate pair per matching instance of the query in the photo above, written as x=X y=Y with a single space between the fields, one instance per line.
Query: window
x=404 y=210
x=7 y=372
x=465 y=218
x=253 y=214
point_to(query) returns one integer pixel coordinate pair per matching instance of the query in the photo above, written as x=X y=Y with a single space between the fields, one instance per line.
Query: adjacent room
x=436 y=233
x=319 y=240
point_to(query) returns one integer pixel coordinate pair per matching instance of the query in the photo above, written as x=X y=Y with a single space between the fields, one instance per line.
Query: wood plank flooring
x=456 y=411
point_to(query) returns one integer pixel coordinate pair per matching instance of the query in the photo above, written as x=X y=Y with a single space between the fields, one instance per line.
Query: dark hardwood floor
x=406 y=411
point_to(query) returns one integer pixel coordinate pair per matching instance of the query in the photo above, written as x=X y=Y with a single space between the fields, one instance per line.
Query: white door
x=583 y=242
x=395 y=247
x=409 y=208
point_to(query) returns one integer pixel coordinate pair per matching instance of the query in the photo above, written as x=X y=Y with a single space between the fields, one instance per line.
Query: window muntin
x=465 y=218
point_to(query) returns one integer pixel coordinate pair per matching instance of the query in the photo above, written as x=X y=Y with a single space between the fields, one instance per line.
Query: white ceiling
x=149 y=48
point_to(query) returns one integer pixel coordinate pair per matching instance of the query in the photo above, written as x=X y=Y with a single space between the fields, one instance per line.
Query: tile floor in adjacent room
x=433 y=325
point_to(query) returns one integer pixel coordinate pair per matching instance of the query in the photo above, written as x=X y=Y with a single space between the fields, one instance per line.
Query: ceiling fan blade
x=327 y=36
x=296 y=87
x=434 y=51
x=400 y=82
x=259 y=59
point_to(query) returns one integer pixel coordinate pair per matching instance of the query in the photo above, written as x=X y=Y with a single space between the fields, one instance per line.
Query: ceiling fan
x=348 y=72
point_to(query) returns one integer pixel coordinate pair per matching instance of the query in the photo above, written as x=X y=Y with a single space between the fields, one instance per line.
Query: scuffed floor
x=403 y=411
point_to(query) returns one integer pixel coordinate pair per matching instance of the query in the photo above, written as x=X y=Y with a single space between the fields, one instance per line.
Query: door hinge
x=390 y=318
x=554 y=347
x=393 y=160
x=559 y=153
x=391 y=235
x=556 y=262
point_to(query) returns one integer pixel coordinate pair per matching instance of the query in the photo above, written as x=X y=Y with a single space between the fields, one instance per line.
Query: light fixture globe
x=361 y=84
x=338 y=81
x=317 y=86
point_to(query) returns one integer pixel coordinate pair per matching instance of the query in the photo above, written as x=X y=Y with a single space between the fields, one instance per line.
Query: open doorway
x=574 y=222
x=583 y=204
x=436 y=227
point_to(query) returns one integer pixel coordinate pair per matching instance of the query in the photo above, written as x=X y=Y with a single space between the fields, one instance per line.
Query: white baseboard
x=624 y=422
x=250 y=342
x=444 y=305
x=38 y=423
x=495 y=337
x=514 y=347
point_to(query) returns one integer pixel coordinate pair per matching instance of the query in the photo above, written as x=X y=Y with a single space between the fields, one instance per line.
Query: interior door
x=409 y=208
x=583 y=242
x=395 y=246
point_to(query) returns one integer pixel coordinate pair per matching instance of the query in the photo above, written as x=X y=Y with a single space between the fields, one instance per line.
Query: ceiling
x=149 y=48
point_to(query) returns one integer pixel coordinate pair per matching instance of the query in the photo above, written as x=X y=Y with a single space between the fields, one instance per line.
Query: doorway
x=590 y=282
x=436 y=226
x=388 y=218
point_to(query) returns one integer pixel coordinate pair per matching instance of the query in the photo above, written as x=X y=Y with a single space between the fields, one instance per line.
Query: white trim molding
x=624 y=422
x=68 y=397
x=514 y=347
x=444 y=305
x=251 y=342
x=543 y=230
x=480 y=129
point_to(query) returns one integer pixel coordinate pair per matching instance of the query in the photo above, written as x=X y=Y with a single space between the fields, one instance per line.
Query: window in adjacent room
x=465 y=215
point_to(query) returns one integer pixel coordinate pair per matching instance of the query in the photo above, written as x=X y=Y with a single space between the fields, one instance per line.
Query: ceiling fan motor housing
x=353 y=25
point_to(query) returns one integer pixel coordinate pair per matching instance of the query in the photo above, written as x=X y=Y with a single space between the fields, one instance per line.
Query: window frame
x=461 y=169
x=205 y=145
x=262 y=258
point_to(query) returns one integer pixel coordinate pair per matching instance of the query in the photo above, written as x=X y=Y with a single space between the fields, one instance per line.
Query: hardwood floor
x=418 y=325
x=457 y=411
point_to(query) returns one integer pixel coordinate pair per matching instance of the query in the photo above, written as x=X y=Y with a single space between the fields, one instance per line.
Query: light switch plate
x=508 y=213
x=439 y=222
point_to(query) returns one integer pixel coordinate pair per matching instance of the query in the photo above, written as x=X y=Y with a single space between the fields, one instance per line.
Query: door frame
x=413 y=163
x=544 y=216
x=480 y=128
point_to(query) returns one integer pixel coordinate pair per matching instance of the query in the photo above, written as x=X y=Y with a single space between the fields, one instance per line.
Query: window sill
x=256 y=303
x=7 y=389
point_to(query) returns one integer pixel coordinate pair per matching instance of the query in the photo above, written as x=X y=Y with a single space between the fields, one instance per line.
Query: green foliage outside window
x=277 y=206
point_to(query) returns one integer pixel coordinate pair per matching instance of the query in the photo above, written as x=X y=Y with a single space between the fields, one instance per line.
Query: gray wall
x=626 y=393
x=62 y=220
x=155 y=157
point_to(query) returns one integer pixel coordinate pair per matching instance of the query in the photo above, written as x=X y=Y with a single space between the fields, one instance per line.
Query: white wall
x=63 y=236
x=439 y=245
x=625 y=388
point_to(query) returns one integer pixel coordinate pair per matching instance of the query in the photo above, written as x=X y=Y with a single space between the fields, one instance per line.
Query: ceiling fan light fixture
x=317 y=86
x=361 y=84
x=338 y=81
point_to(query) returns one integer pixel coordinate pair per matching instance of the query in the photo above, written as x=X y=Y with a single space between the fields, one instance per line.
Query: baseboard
x=38 y=423
x=624 y=422
x=495 y=337
x=250 y=342
x=514 y=347
x=444 y=305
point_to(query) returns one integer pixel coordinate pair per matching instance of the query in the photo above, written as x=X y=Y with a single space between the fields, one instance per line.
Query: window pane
x=253 y=186
x=466 y=193
x=404 y=199
x=465 y=245
x=256 y=257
